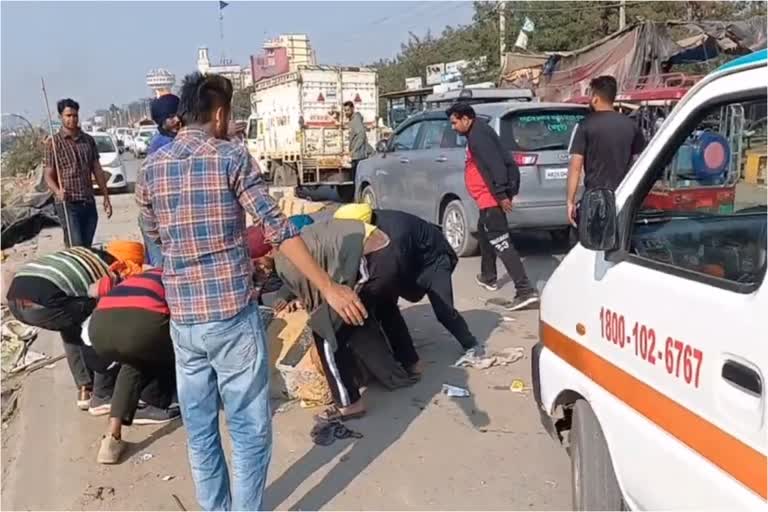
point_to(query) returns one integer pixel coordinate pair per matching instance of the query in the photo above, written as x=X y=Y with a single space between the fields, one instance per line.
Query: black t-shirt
x=607 y=141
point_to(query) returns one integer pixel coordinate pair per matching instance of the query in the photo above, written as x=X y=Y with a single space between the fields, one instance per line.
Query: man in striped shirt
x=51 y=292
x=142 y=345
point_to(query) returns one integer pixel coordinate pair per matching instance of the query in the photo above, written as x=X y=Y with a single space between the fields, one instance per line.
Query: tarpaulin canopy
x=638 y=56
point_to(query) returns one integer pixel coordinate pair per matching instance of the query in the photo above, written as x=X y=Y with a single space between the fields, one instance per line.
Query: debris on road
x=518 y=386
x=324 y=433
x=503 y=358
x=455 y=391
x=144 y=457
x=168 y=478
x=178 y=502
x=99 y=493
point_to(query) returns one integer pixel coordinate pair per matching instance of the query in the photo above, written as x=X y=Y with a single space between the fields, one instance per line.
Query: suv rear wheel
x=594 y=481
x=368 y=196
x=457 y=230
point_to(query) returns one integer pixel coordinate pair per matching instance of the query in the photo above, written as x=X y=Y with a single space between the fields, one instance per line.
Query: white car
x=110 y=161
x=142 y=140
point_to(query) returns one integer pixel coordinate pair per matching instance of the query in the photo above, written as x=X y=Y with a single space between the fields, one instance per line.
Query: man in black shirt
x=604 y=144
x=419 y=261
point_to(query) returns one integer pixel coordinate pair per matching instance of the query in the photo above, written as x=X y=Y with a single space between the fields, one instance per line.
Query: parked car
x=142 y=140
x=420 y=169
x=111 y=163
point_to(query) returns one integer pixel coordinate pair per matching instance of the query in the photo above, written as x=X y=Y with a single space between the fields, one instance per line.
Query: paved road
x=421 y=450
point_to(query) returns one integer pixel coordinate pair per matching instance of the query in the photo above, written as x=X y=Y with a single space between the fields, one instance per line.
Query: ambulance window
x=706 y=212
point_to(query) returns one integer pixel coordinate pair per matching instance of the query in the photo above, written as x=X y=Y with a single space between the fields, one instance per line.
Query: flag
x=522 y=40
x=528 y=25
x=222 y=5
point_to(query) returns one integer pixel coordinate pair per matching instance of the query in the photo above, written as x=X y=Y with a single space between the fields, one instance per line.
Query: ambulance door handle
x=404 y=160
x=743 y=377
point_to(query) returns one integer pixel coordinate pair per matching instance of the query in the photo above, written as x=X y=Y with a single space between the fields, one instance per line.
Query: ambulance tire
x=594 y=481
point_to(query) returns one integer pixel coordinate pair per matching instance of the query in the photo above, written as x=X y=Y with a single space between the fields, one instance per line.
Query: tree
x=560 y=26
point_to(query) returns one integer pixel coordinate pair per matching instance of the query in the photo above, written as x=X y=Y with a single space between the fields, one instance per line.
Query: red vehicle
x=703 y=174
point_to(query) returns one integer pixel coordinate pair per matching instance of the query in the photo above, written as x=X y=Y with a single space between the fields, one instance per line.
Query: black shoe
x=491 y=286
x=523 y=301
x=151 y=415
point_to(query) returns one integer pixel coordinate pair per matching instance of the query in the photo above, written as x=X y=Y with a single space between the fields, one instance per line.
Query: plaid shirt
x=193 y=194
x=77 y=156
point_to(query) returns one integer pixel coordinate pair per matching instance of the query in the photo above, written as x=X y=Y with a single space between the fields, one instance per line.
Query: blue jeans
x=226 y=363
x=153 y=254
x=83 y=219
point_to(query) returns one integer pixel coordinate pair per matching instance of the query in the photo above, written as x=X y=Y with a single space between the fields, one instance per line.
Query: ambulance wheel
x=593 y=479
x=457 y=231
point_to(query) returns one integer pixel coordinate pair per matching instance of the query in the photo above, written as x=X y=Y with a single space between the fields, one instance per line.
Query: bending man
x=424 y=262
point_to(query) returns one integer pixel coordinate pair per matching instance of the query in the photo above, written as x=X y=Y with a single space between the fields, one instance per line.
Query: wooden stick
x=67 y=229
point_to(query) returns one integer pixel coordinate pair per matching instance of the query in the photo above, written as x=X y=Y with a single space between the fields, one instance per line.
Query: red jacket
x=490 y=173
x=476 y=185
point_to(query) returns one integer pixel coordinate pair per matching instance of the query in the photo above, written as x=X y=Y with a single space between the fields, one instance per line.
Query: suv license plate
x=556 y=174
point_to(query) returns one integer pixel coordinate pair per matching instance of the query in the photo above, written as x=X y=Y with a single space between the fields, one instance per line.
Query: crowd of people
x=172 y=327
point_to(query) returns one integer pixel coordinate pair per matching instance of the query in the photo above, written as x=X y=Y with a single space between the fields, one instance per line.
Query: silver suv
x=420 y=169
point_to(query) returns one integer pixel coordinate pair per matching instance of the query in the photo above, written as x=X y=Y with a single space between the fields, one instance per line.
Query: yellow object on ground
x=355 y=211
x=127 y=250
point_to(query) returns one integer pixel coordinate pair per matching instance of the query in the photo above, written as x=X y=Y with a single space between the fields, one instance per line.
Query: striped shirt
x=193 y=195
x=71 y=270
x=142 y=291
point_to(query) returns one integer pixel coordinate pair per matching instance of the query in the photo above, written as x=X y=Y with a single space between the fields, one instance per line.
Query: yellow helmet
x=355 y=211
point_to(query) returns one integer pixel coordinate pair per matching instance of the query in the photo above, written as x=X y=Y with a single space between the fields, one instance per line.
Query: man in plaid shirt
x=76 y=163
x=194 y=194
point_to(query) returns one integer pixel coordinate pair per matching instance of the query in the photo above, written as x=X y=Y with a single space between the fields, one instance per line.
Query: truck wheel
x=457 y=230
x=368 y=196
x=593 y=479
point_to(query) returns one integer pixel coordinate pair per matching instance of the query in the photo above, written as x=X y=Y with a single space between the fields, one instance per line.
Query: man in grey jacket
x=358 y=140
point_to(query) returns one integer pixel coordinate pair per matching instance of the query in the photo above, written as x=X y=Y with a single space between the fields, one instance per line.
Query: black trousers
x=437 y=281
x=142 y=345
x=340 y=366
x=493 y=235
x=66 y=318
x=388 y=314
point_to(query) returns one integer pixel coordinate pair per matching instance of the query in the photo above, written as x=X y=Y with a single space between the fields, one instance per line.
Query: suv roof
x=502 y=108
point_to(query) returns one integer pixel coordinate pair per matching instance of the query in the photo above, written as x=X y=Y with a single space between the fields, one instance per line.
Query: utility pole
x=502 y=32
x=622 y=14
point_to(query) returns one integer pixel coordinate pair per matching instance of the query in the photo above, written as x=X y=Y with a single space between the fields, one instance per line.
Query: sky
x=99 y=52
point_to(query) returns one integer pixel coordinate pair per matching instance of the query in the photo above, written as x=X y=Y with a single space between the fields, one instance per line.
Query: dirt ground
x=421 y=450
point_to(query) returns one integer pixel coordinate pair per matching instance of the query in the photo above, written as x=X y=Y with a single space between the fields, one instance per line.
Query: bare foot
x=416 y=369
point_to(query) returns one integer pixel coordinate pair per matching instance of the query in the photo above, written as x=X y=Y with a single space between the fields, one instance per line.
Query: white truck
x=297 y=131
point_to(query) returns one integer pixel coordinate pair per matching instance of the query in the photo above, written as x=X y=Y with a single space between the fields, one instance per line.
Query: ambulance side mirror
x=597 y=222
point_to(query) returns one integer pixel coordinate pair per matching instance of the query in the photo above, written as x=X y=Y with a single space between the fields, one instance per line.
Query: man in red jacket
x=492 y=180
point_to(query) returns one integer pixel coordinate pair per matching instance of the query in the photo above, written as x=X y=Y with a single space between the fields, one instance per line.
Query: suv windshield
x=539 y=130
x=147 y=134
x=104 y=145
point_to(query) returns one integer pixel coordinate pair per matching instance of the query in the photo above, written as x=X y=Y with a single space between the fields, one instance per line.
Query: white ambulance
x=652 y=363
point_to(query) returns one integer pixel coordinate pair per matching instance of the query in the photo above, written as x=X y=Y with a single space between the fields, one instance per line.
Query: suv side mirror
x=382 y=146
x=597 y=222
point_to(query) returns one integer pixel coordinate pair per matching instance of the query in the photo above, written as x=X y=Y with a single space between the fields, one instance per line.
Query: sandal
x=334 y=414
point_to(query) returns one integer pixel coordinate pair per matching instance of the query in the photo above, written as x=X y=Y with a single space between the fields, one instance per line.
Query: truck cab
x=652 y=363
